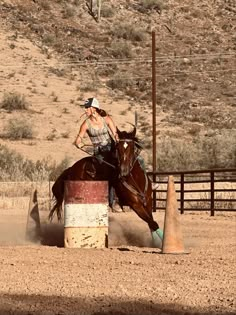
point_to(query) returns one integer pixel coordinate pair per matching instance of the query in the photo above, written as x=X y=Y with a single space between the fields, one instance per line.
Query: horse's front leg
x=145 y=213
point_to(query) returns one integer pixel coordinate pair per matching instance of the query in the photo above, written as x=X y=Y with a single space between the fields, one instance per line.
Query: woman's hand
x=78 y=145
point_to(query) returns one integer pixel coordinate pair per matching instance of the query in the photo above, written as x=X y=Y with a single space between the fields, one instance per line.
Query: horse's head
x=126 y=151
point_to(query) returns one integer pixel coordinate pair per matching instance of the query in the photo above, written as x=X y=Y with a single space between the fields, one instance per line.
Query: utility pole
x=154 y=114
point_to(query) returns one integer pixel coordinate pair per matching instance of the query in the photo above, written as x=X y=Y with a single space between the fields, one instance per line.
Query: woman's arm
x=112 y=127
x=81 y=134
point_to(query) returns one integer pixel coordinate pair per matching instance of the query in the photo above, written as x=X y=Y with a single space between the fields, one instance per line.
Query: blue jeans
x=98 y=152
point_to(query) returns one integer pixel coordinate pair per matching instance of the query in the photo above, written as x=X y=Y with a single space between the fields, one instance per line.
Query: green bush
x=14 y=101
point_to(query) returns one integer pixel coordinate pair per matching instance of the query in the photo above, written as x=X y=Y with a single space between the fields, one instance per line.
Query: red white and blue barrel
x=86 y=214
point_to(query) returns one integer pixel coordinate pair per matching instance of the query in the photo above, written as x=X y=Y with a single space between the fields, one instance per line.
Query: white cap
x=91 y=102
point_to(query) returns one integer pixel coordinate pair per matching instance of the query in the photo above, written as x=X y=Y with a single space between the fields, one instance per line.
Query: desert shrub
x=77 y=2
x=107 y=70
x=121 y=49
x=51 y=136
x=89 y=85
x=129 y=32
x=45 y=5
x=120 y=82
x=56 y=169
x=218 y=151
x=146 y=5
x=49 y=39
x=68 y=12
x=59 y=72
x=65 y=134
x=14 y=101
x=107 y=11
x=18 y=129
x=14 y=167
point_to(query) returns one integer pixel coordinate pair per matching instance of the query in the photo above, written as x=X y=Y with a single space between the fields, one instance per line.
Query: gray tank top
x=99 y=137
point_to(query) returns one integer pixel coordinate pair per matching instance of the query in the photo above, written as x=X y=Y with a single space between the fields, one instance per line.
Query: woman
x=99 y=126
x=101 y=129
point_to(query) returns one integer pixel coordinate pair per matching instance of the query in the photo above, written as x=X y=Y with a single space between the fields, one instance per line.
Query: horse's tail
x=58 y=195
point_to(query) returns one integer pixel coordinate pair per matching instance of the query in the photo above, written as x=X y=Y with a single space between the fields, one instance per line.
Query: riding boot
x=116 y=207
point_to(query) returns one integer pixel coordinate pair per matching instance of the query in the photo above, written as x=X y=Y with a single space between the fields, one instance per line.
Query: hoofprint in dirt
x=129 y=277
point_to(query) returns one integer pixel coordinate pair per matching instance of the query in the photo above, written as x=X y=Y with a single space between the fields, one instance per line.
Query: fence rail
x=199 y=190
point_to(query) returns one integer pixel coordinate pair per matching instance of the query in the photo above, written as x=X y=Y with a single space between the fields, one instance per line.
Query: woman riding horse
x=101 y=130
x=123 y=170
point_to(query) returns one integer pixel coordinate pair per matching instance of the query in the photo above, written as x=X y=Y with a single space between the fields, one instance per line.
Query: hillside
x=57 y=54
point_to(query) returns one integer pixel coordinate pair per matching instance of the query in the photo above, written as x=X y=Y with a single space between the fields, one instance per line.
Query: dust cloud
x=129 y=233
x=13 y=233
x=121 y=233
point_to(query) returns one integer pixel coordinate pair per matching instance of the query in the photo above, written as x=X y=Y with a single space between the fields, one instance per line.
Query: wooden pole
x=154 y=114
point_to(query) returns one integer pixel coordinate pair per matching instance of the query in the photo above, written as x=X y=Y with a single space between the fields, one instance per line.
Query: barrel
x=86 y=214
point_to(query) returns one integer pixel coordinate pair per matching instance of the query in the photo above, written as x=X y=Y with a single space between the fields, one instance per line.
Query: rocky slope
x=56 y=54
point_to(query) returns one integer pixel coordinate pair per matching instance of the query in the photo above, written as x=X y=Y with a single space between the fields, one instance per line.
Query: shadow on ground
x=52 y=235
x=102 y=305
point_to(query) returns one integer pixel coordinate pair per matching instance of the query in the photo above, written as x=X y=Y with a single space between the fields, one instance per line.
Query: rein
x=100 y=159
x=135 y=189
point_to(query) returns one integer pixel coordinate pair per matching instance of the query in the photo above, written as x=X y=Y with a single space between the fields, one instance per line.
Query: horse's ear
x=133 y=132
x=118 y=132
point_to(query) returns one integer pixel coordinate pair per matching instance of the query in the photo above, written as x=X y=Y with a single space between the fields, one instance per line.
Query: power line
x=67 y=103
x=158 y=74
x=125 y=60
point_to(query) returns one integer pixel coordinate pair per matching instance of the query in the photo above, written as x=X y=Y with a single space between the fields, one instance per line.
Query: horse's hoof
x=156 y=239
x=160 y=233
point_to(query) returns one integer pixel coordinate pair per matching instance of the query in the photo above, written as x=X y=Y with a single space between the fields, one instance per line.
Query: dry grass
x=14 y=101
x=18 y=129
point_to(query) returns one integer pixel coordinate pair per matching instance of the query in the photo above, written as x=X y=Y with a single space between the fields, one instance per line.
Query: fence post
x=154 y=194
x=212 y=193
x=182 y=194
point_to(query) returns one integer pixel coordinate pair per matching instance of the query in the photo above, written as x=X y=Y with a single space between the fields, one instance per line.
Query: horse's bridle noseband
x=132 y=162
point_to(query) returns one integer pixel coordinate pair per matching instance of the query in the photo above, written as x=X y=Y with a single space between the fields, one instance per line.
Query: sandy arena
x=129 y=277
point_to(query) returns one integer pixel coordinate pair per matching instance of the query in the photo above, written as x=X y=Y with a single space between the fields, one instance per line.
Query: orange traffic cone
x=172 y=239
x=33 y=227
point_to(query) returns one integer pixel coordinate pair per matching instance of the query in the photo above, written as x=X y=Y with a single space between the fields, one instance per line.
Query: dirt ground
x=129 y=277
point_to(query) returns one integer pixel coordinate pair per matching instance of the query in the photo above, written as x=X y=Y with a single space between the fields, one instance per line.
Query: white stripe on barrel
x=86 y=214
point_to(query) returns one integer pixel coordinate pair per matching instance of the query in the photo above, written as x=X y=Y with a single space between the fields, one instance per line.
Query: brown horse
x=121 y=167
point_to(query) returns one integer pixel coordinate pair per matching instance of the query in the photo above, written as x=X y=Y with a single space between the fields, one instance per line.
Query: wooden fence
x=211 y=190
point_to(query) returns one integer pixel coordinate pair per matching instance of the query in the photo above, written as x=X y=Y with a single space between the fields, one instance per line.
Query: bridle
x=133 y=187
x=126 y=143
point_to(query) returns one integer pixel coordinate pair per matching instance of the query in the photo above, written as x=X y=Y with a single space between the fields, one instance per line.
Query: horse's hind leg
x=58 y=193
